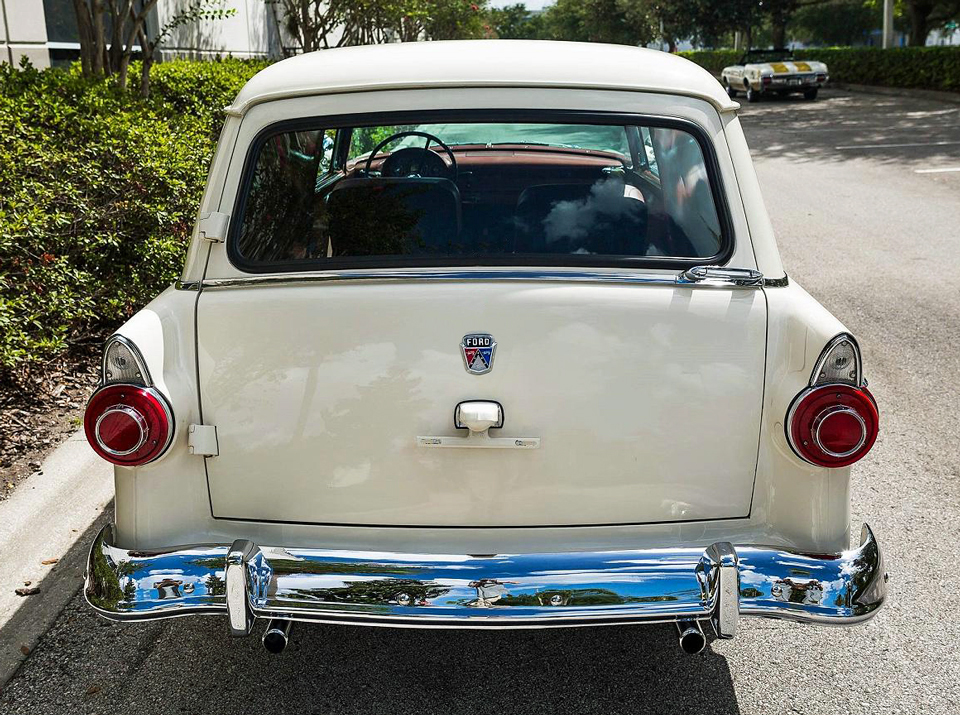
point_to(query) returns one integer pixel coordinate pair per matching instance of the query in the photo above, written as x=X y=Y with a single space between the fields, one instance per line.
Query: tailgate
x=646 y=400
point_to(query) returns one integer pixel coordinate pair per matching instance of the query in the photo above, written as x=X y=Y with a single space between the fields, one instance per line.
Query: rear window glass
x=492 y=192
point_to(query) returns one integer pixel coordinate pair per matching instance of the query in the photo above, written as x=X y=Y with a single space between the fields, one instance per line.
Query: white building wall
x=24 y=32
x=253 y=31
x=944 y=37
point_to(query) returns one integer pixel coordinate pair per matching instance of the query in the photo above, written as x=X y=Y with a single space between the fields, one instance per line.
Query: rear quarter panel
x=800 y=502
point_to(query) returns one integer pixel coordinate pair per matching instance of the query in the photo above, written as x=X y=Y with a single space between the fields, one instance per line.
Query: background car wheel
x=752 y=95
x=811 y=93
x=731 y=92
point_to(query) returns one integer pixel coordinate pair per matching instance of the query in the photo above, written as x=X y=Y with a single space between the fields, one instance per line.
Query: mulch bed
x=41 y=408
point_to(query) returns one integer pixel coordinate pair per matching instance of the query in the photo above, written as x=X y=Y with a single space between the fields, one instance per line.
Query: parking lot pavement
x=877 y=242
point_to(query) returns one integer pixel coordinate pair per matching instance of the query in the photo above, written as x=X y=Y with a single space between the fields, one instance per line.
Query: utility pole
x=887 y=24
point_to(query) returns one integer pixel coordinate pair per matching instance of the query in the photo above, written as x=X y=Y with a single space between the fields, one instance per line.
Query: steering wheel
x=415 y=161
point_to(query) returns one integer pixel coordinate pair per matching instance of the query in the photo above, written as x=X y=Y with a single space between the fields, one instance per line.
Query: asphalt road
x=875 y=236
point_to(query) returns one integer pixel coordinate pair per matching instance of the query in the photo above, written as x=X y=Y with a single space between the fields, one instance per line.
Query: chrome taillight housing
x=834 y=421
x=127 y=421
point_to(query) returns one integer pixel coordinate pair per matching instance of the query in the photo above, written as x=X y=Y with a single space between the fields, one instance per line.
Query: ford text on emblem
x=478 y=350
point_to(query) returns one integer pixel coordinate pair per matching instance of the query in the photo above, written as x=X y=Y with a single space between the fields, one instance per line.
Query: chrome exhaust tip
x=692 y=639
x=277 y=635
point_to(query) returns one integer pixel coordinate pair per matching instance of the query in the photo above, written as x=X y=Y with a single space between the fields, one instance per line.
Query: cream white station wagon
x=484 y=335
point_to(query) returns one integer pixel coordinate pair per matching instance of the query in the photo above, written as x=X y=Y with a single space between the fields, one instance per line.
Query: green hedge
x=914 y=67
x=99 y=193
x=713 y=60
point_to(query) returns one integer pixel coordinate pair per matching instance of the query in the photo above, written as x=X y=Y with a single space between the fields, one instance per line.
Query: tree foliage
x=926 y=15
x=836 y=23
x=622 y=22
x=515 y=22
x=323 y=24
x=713 y=22
x=100 y=192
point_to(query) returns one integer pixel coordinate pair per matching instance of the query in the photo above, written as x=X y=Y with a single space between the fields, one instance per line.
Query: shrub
x=918 y=67
x=713 y=60
x=913 y=67
x=100 y=189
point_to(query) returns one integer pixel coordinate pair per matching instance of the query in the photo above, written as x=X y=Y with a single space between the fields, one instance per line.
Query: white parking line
x=893 y=146
x=936 y=171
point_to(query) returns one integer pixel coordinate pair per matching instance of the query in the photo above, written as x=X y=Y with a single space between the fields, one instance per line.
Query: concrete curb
x=929 y=94
x=51 y=516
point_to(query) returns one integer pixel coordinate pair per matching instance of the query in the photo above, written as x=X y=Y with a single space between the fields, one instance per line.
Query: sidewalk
x=46 y=519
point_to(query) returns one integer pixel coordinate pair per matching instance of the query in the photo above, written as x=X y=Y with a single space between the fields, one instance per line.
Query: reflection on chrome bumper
x=718 y=584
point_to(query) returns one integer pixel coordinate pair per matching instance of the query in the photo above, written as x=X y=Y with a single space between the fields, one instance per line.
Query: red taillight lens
x=767 y=80
x=127 y=424
x=833 y=425
x=821 y=78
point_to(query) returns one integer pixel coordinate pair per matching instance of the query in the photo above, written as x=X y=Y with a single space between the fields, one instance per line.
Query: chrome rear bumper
x=718 y=584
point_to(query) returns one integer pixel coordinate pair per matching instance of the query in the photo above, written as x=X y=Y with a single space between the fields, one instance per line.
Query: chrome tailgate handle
x=715 y=275
x=478 y=417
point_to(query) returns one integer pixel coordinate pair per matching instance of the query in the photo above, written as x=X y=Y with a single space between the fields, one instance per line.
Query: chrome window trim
x=484 y=274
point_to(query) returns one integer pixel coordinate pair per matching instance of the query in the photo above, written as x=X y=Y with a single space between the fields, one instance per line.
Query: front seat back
x=393 y=216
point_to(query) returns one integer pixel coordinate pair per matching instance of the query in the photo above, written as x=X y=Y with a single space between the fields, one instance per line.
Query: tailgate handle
x=478 y=417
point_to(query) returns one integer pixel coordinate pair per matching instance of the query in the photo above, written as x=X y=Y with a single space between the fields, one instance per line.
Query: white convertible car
x=767 y=72
x=484 y=335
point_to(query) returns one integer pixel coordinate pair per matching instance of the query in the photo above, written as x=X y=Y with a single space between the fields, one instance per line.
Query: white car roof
x=482 y=63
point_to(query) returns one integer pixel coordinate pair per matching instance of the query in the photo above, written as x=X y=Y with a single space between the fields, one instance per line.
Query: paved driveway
x=872 y=232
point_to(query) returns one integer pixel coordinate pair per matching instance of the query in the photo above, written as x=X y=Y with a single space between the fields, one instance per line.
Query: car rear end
x=791 y=77
x=509 y=389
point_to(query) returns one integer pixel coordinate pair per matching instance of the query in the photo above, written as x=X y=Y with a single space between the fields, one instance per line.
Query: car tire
x=752 y=95
x=731 y=92
x=811 y=93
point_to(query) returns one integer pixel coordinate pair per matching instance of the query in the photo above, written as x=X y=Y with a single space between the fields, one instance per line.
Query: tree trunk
x=85 y=31
x=919 y=14
x=148 y=50
x=145 y=76
x=120 y=15
x=99 y=48
x=780 y=35
x=778 y=26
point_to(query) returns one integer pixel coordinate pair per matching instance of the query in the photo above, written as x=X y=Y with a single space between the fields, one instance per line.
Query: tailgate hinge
x=202 y=440
x=212 y=226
